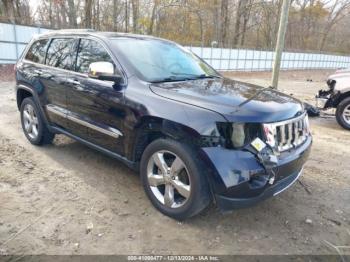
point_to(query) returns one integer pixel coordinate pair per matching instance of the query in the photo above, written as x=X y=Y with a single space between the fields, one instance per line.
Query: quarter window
x=89 y=52
x=62 y=53
x=37 y=51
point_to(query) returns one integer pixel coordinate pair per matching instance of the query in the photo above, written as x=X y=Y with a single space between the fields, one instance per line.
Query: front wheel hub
x=346 y=114
x=168 y=179
x=30 y=121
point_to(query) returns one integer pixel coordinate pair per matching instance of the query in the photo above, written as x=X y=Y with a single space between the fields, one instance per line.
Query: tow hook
x=266 y=157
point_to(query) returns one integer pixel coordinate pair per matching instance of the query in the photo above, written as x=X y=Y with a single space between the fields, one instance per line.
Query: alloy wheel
x=346 y=114
x=30 y=121
x=168 y=179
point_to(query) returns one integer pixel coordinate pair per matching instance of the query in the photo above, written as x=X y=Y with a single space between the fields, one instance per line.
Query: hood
x=340 y=74
x=342 y=81
x=342 y=71
x=236 y=101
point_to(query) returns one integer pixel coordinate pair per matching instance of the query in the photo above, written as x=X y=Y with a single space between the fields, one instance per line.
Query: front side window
x=157 y=60
x=37 y=51
x=62 y=53
x=89 y=52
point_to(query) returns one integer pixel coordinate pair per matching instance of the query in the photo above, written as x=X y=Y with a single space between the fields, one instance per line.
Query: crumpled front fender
x=230 y=168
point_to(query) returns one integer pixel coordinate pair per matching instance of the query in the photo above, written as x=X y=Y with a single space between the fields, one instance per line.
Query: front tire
x=33 y=124
x=173 y=179
x=343 y=113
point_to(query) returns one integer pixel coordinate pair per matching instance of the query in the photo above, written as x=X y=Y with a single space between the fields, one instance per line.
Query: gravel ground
x=68 y=199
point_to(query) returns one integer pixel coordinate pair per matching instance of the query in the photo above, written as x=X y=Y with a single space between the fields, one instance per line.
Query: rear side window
x=62 y=53
x=89 y=52
x=37 y=51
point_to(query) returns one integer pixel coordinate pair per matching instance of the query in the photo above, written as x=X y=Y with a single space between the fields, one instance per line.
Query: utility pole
x=280 y=42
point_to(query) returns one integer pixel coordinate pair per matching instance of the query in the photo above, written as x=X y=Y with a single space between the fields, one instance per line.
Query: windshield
x=161 y=61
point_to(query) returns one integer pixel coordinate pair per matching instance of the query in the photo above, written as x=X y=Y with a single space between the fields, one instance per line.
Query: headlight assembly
x=237 y=135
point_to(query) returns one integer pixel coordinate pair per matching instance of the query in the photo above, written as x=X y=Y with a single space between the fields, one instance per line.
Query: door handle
x=39 y=72
x=73 y=82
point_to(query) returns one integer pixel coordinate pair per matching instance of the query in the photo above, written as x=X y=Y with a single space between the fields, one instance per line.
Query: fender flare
x=159 y=127
x=36 y=100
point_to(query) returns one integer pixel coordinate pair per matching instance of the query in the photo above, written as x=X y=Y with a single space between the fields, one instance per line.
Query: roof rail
x=76 y=30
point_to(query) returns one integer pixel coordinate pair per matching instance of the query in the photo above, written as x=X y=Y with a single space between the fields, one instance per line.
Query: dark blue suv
x=194 y=136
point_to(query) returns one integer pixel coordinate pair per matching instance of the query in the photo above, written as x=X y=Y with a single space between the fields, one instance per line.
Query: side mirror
x=104 y=71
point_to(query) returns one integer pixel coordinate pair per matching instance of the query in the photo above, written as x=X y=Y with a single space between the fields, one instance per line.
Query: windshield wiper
x=169 y=79
x=194 y=76
x=207 y=76
x=175 y=77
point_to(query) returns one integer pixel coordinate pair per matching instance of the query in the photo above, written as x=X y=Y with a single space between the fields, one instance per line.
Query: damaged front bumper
x=238 y=179
x=227 y=203
x=321 y=102
x=327 y=98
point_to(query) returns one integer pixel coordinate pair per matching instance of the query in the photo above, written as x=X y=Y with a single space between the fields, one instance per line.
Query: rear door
x=35 y=73
x=95 y=104
x=59 y=62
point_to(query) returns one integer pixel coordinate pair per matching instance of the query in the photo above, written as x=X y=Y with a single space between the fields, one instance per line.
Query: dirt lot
x=50 y=195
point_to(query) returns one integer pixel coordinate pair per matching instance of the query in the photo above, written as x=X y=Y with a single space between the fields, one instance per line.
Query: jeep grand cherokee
x=195 y=136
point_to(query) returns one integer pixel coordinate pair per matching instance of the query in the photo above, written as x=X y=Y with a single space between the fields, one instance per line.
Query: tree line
x=314 y=25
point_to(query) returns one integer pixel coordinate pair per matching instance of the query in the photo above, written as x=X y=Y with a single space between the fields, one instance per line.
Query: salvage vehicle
x=195 y=136
x=337 y=96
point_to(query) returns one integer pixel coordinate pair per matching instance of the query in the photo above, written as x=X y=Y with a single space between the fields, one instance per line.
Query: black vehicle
x=195 y=136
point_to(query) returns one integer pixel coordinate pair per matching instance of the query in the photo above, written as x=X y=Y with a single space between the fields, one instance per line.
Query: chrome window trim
x=79 y=37
x=50 y=43
x=56 y=68
x=62 y=112
x=113 y=132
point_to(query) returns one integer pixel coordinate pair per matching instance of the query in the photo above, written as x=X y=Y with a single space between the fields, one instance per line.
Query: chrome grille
x=287 y=134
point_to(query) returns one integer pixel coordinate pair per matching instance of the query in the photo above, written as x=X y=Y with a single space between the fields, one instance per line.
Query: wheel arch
x=341 y=98
x=151 y=128
x=21 y=94
x=24 y=91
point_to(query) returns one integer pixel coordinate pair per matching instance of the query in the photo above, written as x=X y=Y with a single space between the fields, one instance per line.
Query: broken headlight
x=331 y=84
x=238 y=135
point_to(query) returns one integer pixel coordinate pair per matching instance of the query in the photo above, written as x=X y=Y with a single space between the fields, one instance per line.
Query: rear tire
x=33 y=124
x=181 y=174
x=343 y=113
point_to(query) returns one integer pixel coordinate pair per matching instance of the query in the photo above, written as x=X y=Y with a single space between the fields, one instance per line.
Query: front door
x=95 y=105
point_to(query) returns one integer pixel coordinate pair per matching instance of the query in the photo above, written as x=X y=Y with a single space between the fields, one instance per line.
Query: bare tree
x=313 y=24
x=88 y=13
x=153 y=16
x=246 y=16
x=8 y=10
x=114 y=16
x=126 y=16
x=238 y=22
x=337 y=12
x=224 y=22
x=72 y=14
x=135 y=14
